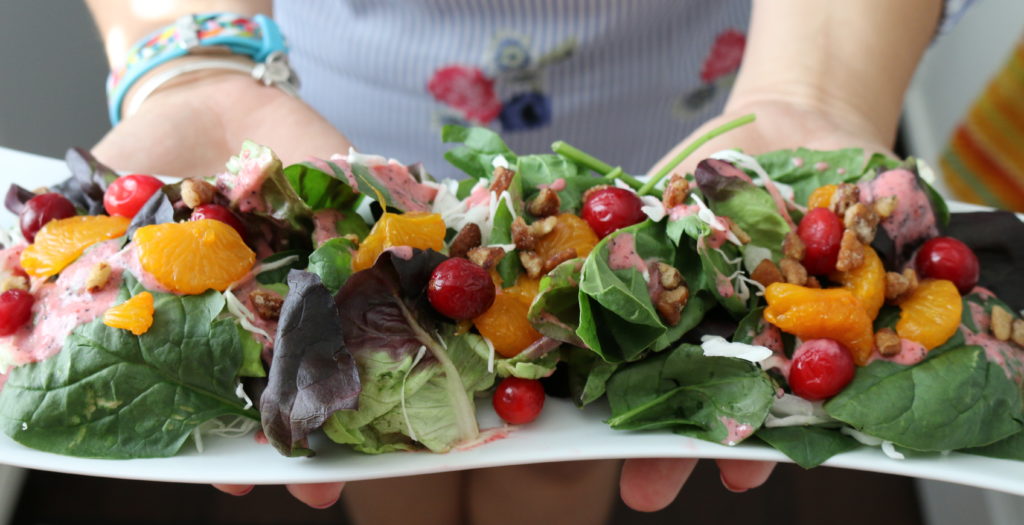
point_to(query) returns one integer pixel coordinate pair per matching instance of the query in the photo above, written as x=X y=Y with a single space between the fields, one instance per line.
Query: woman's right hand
x=191 y=128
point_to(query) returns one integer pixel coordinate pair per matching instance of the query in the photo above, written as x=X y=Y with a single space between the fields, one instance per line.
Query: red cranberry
x=821 y=368
x=218 y=213
x=518 y=401
x=460 y=289
x=822 y=231
x=948 y=258
x=609 y=208
x=42 y=209
x=128 y=194
x=15 y=310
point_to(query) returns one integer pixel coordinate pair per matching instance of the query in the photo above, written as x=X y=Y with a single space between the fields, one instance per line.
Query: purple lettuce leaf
x=16 y=198
x=312 y=375
x=88 y=181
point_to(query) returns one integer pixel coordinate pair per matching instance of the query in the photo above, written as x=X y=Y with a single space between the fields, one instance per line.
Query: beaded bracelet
x=258 y=38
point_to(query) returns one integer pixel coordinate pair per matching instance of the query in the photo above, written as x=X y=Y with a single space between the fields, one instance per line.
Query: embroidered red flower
x=468 y=90
x=725 y=56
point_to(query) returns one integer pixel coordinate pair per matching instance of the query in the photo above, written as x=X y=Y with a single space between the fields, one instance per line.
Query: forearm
x=853 y=59
x=122 y=23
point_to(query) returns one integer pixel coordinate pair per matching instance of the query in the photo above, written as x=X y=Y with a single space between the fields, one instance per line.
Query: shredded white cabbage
x=890 y=450
x=405 y=414
x=753 y=255
x=500 y=162
x=653 y=208
x=705 y=214
x=490 y=355
x=718 y=346
x=790 y=411
x=244 y=316
x=240 y=392
x=280 y=263
x=925 y=171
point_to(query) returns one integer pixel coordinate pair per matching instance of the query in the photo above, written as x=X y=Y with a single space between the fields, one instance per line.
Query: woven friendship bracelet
x=258 y=38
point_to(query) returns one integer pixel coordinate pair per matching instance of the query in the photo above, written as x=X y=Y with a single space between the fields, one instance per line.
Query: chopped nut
x=1017 y=331
x=739 y=233
x=14 y=282
x=670 y=304
x=888 y=342
x=502 y=180
x=793 y=247
x=546 y=203
x=521 y=236
x=196 y=192
x=485 y=256
x=98 y=277
x=851 y=252
x=1001 y=321
x=767 y=273
x=863 y=221
x=532 y=262
x=669 y=276
x=41 y=190
x=899 y=285
x=676 y=191
x=267 y=304
x=468 y=238
x=812 y=282
x=586 y=194
x=543 y=227
x=792 y=271
x=558 y=258
x=885 y=206
x=846 y=195
x=352 y=238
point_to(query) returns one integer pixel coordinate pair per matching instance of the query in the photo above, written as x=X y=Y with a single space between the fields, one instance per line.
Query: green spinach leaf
x=808 y=446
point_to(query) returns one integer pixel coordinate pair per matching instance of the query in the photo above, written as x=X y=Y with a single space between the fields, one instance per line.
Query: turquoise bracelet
x=256 y=38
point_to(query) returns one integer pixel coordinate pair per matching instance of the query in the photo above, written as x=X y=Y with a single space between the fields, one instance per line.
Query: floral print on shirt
x=470 y=93
x=717 y=74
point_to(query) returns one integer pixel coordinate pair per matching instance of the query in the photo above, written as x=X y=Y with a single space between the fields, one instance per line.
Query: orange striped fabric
x=984 y=160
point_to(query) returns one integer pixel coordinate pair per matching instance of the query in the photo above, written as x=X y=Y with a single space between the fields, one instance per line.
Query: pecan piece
x=851 y=252
x=532 y=262
x=521 y=236
x=898 y=285
x=792 y=271
x=543 y=227
x=546 y=203
x=98 y=277
x=669 y=277
x=196 y=192
x=793 y=247
x=863 y=221
x=739 y=233
x=670 y=304
x=676 y=191
x=502 y=180
x=266 y=303
x=885 y=206
x=558 y=258
x=846 y=195
x=1017 y=331
x=485 y=257
x=468 y=238
x=1001 y=323
x=888 y=342
x=767 y=273
x=812 y=282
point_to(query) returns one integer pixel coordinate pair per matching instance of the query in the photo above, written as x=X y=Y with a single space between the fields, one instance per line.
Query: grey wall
x=52 y=71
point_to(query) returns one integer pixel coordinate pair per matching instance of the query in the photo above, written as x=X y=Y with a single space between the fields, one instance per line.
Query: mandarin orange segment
x=931 y=315
x=866 y=283
x=814 y=313
x=61 y=241
x=195 y=256
x=822 y=196
x=570 y=232
x=418 y=230
x=134 y=315
x=505 y=323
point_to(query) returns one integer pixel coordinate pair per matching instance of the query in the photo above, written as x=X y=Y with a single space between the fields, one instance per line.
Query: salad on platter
x=815 y=301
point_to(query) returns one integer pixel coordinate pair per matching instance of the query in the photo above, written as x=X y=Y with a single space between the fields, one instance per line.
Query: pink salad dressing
x=481 y=195
x=622 y=253
x=402 y=252
x=736 y=431
x=724 y=286
x=10 y=258
x=911 y=353
x=680 y=211
x=325 y=225
x=405 y=191
x=820 y=166
x=342 y=162
x=912 y=219
x=62 y=305
x=798 y=162
x=556 y=185
x=243 y=188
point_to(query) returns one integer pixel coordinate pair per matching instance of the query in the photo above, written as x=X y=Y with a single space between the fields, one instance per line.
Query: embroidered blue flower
x=511 y=53
x=525 y=111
